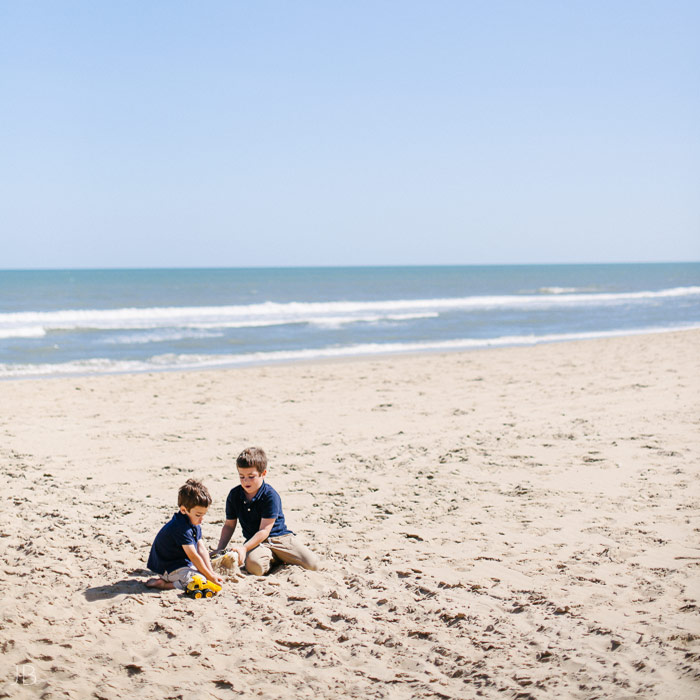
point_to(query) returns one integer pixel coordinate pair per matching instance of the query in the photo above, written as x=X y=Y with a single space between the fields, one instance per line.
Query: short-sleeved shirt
x=265 y=504
x=167 y=553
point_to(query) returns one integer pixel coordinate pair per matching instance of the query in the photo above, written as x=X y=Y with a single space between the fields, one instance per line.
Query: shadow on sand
x=134 y=586
x=127 y=586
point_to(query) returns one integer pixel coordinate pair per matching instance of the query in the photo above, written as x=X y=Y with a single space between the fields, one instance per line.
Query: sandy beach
x=507 y=523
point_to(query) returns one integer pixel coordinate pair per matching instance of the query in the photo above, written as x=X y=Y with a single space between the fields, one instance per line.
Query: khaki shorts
x=285 y=548
x=180 y=577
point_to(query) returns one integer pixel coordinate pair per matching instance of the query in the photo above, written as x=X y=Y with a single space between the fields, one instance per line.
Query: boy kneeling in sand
x=178 y=552
x=259 y=508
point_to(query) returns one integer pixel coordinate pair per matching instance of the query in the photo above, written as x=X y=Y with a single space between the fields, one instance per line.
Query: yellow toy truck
x=200 y=587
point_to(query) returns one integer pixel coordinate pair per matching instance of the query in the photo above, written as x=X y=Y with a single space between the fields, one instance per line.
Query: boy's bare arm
x=202 y=551
x=226 y=532
x=258 y=538
x=201 y=565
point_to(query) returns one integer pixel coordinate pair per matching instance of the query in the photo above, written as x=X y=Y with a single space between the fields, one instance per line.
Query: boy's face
x=196 y=514
x=251 y=480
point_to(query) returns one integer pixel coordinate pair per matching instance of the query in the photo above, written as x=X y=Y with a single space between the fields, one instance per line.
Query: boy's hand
x=242 y=553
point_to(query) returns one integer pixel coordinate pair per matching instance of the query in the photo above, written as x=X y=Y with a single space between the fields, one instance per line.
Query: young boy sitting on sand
x=178 y=552
x=259 y=508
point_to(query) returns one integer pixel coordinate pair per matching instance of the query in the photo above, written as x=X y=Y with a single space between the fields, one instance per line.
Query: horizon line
x=342 y=267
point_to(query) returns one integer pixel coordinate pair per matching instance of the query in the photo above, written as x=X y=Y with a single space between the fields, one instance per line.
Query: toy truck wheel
x=198 y=594
x=209 y=594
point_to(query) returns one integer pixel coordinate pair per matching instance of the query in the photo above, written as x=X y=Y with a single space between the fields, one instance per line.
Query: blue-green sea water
x=84 y=321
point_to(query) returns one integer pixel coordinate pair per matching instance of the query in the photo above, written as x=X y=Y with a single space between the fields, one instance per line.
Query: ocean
x=77 y=322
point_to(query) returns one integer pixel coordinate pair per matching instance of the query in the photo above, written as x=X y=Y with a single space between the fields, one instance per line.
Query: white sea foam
x=274 y=313
x=339 y=321
x=157 y=336
x=22 y=332
x=563 y=290
x=194 y=361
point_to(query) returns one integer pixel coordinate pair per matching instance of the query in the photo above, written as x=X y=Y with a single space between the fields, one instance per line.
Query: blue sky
x=170 y=134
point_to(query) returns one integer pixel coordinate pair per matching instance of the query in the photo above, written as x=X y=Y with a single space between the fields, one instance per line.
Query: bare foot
x=160 y=584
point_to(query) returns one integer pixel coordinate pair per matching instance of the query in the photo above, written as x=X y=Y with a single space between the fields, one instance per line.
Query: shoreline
x=350 y=357
x=493 y=522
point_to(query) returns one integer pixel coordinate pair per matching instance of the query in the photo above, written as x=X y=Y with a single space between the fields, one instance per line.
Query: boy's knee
x=311 y=563
x=255 y=568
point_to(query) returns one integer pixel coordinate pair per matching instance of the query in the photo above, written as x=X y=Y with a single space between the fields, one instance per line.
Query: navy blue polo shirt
x=265 y=504
x=167 y=553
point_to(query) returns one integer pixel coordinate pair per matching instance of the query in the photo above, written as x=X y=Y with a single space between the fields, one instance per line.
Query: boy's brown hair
x=252 y=457
x=194 y=493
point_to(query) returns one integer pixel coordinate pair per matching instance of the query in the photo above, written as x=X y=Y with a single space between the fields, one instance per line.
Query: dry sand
x=512 y=523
